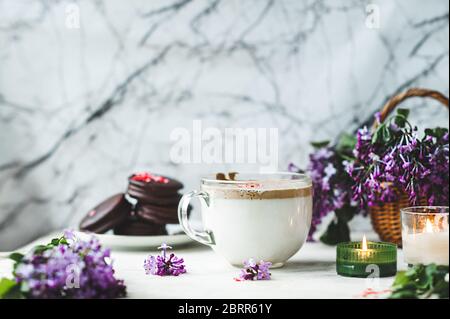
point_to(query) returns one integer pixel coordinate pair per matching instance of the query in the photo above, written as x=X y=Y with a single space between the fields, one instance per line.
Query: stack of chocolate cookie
x=157 y=199
x=156 y=205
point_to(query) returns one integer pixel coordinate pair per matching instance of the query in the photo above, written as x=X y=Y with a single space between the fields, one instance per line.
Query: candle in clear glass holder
x=425 y=235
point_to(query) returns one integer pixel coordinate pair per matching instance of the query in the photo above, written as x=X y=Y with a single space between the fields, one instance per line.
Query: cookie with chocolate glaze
x=153 y=197
x=157 y=214
x=148 y=199
x=106 y=215
x=134 y=227
x=155 y=183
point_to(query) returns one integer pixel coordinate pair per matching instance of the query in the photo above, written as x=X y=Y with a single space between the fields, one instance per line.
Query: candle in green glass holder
x=361 y=259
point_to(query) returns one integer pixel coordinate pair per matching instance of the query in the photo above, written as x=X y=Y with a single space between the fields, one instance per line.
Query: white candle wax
x=426 y=248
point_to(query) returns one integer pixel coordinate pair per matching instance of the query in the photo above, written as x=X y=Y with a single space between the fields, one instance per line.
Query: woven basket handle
x=389 y=107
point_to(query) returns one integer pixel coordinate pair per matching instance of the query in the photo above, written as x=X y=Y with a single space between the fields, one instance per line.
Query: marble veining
x=82 y=108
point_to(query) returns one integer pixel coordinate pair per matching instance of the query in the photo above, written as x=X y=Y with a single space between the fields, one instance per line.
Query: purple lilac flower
x=416 y=166
x=419 y=167
x=255 y=271
x=378 y=117
x=163 y=266
x=369 y=182
x=332 y=184
x=77 y=270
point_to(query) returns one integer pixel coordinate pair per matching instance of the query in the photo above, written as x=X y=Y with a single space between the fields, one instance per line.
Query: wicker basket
x=386 y=218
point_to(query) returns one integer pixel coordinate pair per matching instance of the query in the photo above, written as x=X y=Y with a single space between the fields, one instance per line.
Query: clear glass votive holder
x=425 y=235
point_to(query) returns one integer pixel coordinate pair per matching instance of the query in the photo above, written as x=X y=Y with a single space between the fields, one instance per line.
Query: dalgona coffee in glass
x=264 y=216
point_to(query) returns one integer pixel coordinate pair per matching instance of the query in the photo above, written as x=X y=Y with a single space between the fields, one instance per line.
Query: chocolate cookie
x=158 y=215
x=108 y=214
x=155 y=183
x=154 y=198
x=140 y=191
x=133 y=227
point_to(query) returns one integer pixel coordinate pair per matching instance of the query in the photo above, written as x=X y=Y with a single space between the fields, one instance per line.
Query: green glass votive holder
x=375 y=260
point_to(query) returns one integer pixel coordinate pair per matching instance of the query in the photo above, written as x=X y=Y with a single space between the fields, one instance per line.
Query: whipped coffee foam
x=267 y=189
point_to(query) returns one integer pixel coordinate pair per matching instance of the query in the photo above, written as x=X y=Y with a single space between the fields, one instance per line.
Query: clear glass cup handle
x=204 y=237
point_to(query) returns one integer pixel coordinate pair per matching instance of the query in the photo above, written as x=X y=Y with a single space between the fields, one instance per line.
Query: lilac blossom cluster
x=77 y=269
x=372 y=168
x=370 y=184
x=331 y=184
x=163 y=265
x=255 y=271
x=400 y=161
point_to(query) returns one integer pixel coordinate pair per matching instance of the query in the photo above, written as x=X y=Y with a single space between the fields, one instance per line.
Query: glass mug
x=264 y=216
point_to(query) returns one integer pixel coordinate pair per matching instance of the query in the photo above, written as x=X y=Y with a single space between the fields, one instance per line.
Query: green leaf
x=430 y=270
x=386 y=133
x=375 y=136
x=40 y=249
x=400 y=121
x=401 y=117
x=441 y=288
x=347 y=142
x=437 y=132
x=401 y=279
x=442 y=271
x=378 y=134
x=429 y=132
x=421 y=282
x=346 y=213
x=414 y=271
x=7 y=287
x=320 y=144
x=53 y=243
x=402 y=113
x=17 y=257
x=337 y=232
x=440 y=132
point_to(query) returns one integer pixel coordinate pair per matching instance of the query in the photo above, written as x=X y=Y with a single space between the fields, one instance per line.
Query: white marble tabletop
x=309 y=274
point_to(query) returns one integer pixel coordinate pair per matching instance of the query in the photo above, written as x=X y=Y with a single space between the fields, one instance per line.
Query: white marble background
x=80 y=109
